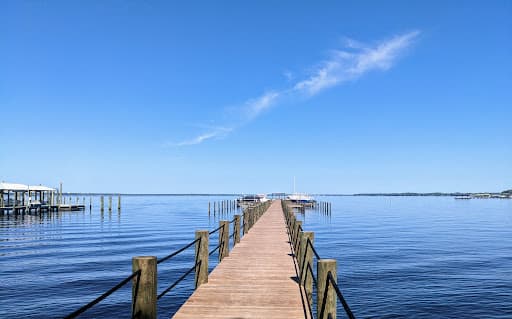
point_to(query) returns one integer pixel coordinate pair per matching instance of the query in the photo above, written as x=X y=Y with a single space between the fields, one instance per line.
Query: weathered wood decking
x=257 y=280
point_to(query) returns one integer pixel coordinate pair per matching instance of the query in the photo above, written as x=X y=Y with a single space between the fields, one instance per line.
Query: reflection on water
x=51 y=264
x=397 y=257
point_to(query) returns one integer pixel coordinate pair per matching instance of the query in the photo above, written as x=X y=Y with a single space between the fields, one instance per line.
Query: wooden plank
x=257 y=280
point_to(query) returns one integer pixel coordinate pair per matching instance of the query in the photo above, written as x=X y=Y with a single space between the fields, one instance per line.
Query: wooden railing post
x=201 y=257
x=144 y=297
x=291 y=225
x=295 y=230
x=300 y=253
x=236 y=230
x=223 y=239
x=307 y=259
x=324 y=267
x=298 y=226
x=245 y=221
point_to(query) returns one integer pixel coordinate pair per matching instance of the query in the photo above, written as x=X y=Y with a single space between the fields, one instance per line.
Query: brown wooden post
x=307 y=258
x=293 y=220
x=201 y=257
x=236 y=231
x=144 y=298
x=324 y=267
x=293 y=227
x=102 y=208
x=245 y=221
x=298 y=226
x=249 y=217
x=223 y=239
x=119 y=202
x=300 y=254
x=110 y=203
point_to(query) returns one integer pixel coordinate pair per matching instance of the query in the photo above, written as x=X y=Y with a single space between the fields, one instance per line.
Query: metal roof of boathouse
x=15 y=187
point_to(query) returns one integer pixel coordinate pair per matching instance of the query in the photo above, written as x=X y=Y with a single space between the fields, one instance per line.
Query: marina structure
x=247 y=200
x=20 y=199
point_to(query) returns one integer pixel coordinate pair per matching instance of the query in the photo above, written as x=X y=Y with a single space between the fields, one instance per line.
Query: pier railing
x=325 y=283
x=145 y=268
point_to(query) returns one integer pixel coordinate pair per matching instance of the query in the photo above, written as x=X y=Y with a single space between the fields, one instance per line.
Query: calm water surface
x=398 y=257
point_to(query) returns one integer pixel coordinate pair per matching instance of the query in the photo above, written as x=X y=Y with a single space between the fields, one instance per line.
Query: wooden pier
x=257 y=280
x=270 y=273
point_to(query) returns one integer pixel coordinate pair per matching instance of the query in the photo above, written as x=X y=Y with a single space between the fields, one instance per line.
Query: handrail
x=340 y=295
x=330 y=281
x=177 y=252
x=179 y=280
x=216 y=230
x=215 y=249
x=86 y=307
x=312 y=248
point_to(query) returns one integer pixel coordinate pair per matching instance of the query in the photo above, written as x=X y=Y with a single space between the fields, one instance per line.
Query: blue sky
x=239 y=96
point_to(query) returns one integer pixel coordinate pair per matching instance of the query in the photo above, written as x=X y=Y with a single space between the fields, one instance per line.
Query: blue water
x=398 y=257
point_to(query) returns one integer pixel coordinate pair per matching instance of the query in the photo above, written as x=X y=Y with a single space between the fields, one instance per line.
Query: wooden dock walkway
x=257 y=280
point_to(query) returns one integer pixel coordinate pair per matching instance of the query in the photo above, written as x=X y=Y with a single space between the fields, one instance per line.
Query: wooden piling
x=307 y=259
x=144 y=298
x=102 y=204
x=208 y=208
x=236 y=230
x=299 y=255
x=223 y=239
x=324 y=267
x=201 y=257
x=293 y=221
x=245 y=221
x=110 y=203
x=296 y=239
x=119 y=202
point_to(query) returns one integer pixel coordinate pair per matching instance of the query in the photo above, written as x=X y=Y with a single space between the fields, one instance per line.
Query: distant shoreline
x=408 y=194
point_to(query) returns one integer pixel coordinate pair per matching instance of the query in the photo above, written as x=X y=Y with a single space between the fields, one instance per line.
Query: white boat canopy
x=41 y=188
x=13 y=187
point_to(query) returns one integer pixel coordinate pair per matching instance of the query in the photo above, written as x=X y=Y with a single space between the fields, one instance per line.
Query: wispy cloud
x=353 y=62
x=217 y=132
x=350 y=63
x=254 y=107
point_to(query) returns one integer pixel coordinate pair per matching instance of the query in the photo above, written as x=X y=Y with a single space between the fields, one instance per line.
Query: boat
x=249 y=200
x=299 y=198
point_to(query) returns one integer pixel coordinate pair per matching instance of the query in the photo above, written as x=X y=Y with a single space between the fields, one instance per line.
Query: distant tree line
x=413 y=194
